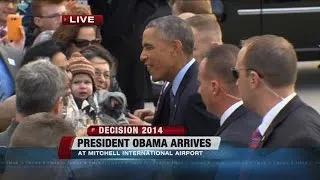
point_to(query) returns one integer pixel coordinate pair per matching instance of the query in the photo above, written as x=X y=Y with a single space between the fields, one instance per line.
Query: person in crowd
x=83 y=88
x=10 y=60
x=55 y=52
x=196 y=7
x=219 y=93
x=40 y=125
x=10 y=52
x=266 y=73
x=207 y=33
x=77 y=37
x=7 y=7
x=105 y=67
x=40 y=130
x=10 y=7
x=167 y=53
x=40 y=87
x=128 y=20
x=100 y=106
x=46 y=16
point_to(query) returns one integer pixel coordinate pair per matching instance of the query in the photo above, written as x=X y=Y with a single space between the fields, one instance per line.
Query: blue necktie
x=172 y=104
x=164 y=86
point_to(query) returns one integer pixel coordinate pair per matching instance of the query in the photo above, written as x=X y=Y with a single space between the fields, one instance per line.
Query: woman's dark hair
x=93 y=51
x=45 y=49
x=66 y=34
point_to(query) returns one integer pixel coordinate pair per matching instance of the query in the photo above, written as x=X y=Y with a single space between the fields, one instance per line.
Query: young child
x=83 y=87
x=101 y=107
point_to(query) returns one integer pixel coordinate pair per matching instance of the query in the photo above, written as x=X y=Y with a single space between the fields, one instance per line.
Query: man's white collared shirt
x=229 y=111
x=269 y=117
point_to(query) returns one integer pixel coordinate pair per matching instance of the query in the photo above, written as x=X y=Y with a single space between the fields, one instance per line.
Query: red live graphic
x=82 y=19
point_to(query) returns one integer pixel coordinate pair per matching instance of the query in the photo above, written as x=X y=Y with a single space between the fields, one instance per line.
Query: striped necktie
x=164 y=86
x=172 y=104
x=255 y=139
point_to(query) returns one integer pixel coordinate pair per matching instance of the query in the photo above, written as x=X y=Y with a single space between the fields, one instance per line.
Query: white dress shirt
x=269 y=117
x=229 y=111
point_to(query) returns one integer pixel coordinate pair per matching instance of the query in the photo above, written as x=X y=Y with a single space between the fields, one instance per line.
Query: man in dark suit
x=167 y=52
x=128 y=19
x=266 y=70
x=219 y=92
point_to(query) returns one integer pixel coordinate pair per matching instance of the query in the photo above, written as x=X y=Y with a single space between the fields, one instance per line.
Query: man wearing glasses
x=266 y=72
x=47 y=13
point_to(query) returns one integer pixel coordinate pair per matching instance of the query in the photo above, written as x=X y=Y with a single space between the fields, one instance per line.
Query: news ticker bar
x=135 y=130
x=114 y=144
x=140 y=154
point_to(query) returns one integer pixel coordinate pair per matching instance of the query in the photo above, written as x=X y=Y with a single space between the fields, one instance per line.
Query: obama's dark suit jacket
x=190 y=111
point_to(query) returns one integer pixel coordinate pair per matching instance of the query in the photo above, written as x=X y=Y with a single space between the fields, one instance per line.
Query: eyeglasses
x=81 y=43
x=106 y=75
x=52 y=16
x=235 y=72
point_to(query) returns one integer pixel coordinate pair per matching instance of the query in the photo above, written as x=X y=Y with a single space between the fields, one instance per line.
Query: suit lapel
x=187 y=77
x=234 y=116
x=283 y=114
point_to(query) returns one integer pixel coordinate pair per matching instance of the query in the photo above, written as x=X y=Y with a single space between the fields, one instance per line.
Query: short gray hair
x=174 y=28
x=39 y=84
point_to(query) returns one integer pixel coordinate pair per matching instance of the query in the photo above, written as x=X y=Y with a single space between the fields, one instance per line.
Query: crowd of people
x=85 y=75
x=60 y=79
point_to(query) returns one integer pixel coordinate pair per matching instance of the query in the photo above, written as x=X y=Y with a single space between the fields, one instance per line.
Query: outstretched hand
x=136 y=121
x=144 y=114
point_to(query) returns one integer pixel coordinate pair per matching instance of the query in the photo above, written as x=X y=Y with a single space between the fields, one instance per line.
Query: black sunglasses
x=235 y=72
x=81 y=43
